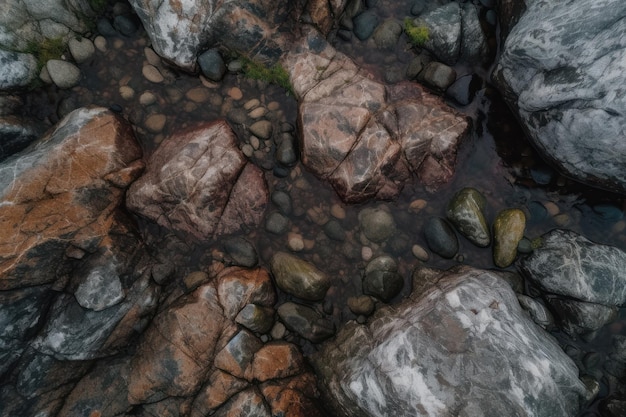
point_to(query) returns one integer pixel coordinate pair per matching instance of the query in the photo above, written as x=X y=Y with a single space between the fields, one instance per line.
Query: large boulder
x=180 y=30
x=464 y=347
x=362 y=136
x=200 y=183
x=563 y=70
x=75 y=278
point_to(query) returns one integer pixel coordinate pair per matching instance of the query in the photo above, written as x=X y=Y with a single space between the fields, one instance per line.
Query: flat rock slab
x=464 y=348
x=362 y=136
x=199 y=182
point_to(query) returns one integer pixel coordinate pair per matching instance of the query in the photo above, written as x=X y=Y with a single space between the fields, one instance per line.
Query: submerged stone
x=440 y=237
x=306 y=322
x=299 y=277
x=508 y=231
x=466 y=211
x=381 y=278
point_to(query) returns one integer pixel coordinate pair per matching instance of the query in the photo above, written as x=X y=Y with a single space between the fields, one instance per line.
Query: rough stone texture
x=363 y=137
x=16 y=69
x=63 y=192
x=199 y=182
x=570 y=265
x=17 y=134
x=562 y=70
x=180 y=30
x=24 y=22
x=465 y=348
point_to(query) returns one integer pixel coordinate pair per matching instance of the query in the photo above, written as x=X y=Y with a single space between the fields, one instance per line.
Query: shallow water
x=495 y=159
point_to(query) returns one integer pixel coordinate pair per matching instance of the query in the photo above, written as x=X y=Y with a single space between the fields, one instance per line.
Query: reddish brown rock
x=237 y=287
x=219 y=388
x=276 y=360
x=63 y=192
x=199 y=182
x=365 y=138
x=295 y=397
x=178 y=348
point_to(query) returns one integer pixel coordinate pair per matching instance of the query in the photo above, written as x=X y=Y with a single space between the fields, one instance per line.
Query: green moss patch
x=418 y=35
x=275 y=74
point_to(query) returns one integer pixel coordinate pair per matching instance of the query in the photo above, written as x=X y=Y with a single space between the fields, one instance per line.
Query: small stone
x=262 y=129
x=212 y=65
x=382 y=279
x=126 y=25
x=386 y=35
x=155 y=123
x=466 y=211
x=237 y=116
x=235 y=93
x=105 y=28
x=241 y=251
x=276 y=223
x=366 y=253
x=256 y=318
x=258 y=112
x=420 y=253
x=198 y=94
x=306 y=322
x=295 y=242
x=333 y=230
x=299 y=277
x=317 y=215
x=508 y=230
x=338 y=211
x=286 y=152
x=525 y=246
x=365 y=24
x=438 y=75
x=147 y=98
x=126 y=92
x=552 y=208
x=152 y=74
x=101 y=289
x=152 y=57
x=247 y=150
x=361 y=305
x=254 y=142
x=417 y=205
x=195 y=279
x=235 y=66
x=376 y=224
x=278 y=331
x=100 y=43
x=251 y=104
x=81 y=49
x=282 y=200
x=563 y=220
x=441 y=238
x=63 y=74
x=44 y=75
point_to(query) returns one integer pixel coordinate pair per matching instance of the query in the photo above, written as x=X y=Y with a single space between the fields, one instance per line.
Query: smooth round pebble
x=155 y=123
x=420 y=253
x=361 y=305
x=152 y=74
x=126 y=92
x=552 y=208
x=258 y=112
x=366 y=253
x=295 y=242
x=247 y=150
x=147 y=98
x=417 y=205
x=251 y=104
x=441 y=238
x=152 y=57
x=198 y=94
x=337 y=211
x=101 y=43
x=276 y=223
x=235 y=93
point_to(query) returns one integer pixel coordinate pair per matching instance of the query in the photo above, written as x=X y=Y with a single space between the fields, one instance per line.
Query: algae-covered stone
x=377 y=224
x=466 y=212
x=298 y=277
x=508 y=230
x=382 y=279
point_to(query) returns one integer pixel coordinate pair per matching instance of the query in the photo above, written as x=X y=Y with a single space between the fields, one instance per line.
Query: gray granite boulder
x=570 y=265
x=16 y=69
x=200 y=183
x=463 y=348
x=563 y=70
x=363 y=137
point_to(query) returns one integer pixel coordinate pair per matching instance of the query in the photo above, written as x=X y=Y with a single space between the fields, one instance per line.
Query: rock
x=298 y=277
x=364 y=137
x=570 y=265
x=82 y=49
x=579 y=318
x=474 y=48
x=537 y=310
x=126 y=24
x=262 y=129
x=361 y=305
x=455 y=350
x=286 y=152
x=276 y=223
x=152 y=74
x=437 y=75
x=239 y=287
x=464 y=89
x=16 y=69
x=101 y=289
x=234 y=193
x=508 y=230
x=306 y=322
x=376 y=224
x=63 y=74
x=48 y=205
x=334 y=231
x=236 y=357
x=212 y=65
x=440 y=237
x=155 y=122
x=276 y=360
x=105 y=28
x=365 y=24
x=555 y=72
x=381 y=278
x=241 y=251
x=387 y=33
x=444 y=31
x=178 y=348
x=466 y=211
x=256 y=318
x=282 y=200
x=17 y=134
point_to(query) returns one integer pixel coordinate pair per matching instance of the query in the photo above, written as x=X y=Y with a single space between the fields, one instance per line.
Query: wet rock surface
x=198 y=182
x=364 y=373
x=568 y=73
